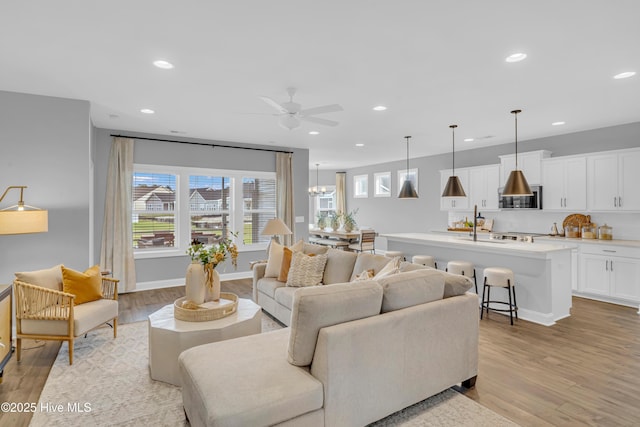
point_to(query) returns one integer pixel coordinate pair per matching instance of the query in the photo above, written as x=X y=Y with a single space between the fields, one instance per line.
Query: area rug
x=109 y=385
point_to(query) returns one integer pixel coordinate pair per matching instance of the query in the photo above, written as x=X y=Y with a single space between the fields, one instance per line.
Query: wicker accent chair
x=367 y=242
x=47 y=314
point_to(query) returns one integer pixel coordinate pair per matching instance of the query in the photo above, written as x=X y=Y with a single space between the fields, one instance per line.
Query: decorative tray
x=576 y=219
x=210 y=310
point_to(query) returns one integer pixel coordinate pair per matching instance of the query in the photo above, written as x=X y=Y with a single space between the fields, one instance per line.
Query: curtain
x=116 y=253
x=284 y=197
x=341 y=192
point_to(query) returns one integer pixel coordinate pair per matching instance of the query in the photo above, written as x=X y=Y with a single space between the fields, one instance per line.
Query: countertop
x=554 y=239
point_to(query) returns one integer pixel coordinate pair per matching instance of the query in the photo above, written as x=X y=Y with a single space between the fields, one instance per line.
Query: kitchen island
x=543 y=271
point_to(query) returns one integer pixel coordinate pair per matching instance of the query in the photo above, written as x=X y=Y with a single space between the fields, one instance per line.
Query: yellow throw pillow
x=85 y=286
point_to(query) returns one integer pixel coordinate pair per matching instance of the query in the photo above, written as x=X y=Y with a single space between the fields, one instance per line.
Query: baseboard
x=170 y=283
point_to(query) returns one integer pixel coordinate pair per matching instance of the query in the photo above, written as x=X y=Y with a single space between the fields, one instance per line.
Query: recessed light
x=147 y=111
x=625 y=75
x=516 y=57
x=468 y=140
x=379 y=108
x=557 y=123
x=359 y=144
x=314 y=132
x=165 y=65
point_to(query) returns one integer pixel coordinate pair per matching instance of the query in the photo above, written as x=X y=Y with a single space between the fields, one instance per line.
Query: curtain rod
x=202 y=143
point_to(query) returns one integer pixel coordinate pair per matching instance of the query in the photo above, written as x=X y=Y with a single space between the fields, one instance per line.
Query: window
x=413 y=177
x=215 y=203
x=382 y=184
x=361 y=186
x=154 y=210
x=325 y=203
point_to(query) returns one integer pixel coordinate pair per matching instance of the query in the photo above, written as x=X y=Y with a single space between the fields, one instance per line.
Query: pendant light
x=517 y=184
x=316 y=191
x=453 y=187
x=407 y=191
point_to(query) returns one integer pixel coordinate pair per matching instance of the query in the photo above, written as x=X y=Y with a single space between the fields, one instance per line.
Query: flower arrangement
x=349 y=220
x=214 y=254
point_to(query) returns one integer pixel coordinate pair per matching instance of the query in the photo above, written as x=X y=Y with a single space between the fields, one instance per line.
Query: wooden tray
x=227 y=305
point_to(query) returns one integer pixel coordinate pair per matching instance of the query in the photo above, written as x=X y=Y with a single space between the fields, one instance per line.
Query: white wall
x=46 y=146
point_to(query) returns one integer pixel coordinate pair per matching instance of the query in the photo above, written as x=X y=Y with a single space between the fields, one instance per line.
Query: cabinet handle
x=619 y=202
x=615 y=202
x=609 y=250
x=606 y=265
x=611 y=265
x=565 y=202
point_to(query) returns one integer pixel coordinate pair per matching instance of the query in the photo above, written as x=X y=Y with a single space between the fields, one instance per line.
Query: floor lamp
x=21 y=218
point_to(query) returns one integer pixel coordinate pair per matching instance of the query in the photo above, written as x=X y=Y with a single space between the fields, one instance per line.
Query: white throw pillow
x=276 y=255
x=365 y=275
x=50 y=278
x=306 y=270
x=393 y=267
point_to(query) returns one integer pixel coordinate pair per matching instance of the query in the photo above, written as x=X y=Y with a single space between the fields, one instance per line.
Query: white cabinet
x=454 y=203
x=564 y=183
x=610 y=272
x=612 y=181
x=529 y=163
x=483 y=187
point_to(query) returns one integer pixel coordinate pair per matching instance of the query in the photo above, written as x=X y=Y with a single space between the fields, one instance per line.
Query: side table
x=168 y=337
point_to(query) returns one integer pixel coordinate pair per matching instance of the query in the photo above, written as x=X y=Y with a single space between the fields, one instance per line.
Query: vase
x=195 y=282
x=212 y=283
x=348 y=227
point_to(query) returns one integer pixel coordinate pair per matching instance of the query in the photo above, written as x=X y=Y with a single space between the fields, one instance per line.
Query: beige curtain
x=284 y=195
x=341 y=192
x=117 y=236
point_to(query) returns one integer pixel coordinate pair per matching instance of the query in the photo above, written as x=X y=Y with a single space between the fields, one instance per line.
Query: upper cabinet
x=564 y=182
x=483 y=187
x=454 y=203
x=529 y=163
x=613 y=181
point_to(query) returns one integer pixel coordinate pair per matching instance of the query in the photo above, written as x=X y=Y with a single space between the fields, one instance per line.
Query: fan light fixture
x=289 y=122
x=517 y=184
x=407 y=191
x=316 y=191
x=454 y=186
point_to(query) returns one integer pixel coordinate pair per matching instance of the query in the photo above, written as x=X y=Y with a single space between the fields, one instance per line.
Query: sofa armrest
x=258 y=273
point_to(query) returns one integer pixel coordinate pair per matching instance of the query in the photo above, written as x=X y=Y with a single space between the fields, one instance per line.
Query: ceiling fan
x=291 y=113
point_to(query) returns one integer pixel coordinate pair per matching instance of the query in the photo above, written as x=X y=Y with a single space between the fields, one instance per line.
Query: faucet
x=475 y=223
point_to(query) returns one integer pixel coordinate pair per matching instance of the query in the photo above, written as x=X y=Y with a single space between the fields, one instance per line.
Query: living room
x=57 y=135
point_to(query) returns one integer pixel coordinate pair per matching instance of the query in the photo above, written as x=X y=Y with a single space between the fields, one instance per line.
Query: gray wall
x=388 y=215
x=46 y=146
x=171 y=154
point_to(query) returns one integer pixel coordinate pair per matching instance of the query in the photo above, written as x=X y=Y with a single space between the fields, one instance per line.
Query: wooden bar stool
x=463 y=268
x=427 y=260
x=393 y=254
x=502 y=278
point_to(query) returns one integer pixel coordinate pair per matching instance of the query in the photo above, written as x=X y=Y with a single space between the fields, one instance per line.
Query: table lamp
x=274 y=228
x=21 y=218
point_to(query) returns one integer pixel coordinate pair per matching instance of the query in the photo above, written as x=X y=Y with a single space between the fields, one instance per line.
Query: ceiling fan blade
x=320 y=110
x=274 y=104
x=320 y=121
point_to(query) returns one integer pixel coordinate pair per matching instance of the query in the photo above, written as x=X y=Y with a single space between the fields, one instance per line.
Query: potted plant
x=201 y=275
x=349 y=221
x=322 y=221
x=334 y=220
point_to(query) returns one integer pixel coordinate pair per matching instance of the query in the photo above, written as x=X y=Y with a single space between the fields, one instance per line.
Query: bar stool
x=427 y=260
x=503 y=278
x=463 y=268
x=393 y=254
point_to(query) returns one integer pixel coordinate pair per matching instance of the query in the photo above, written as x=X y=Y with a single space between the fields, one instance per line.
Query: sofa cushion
x=409 y=266
x=310 y=248
x=454 y=284
x=317 y=307
x=367 y=261
x=339 y=266
x=404 y=290
x=246 y=382
x=268 y=286
x=306 y=270
x=284 y=296
x=50 y=278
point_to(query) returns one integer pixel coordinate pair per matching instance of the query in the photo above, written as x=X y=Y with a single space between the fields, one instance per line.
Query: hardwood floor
x=582 y=371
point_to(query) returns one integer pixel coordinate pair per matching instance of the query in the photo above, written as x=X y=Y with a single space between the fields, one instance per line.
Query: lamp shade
x=517 y=185
x=453 y=188
x=24 y=222
x=407 y=191
x=274 y=227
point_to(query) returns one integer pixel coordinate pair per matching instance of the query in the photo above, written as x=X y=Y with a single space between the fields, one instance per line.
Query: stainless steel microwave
x=521 y=202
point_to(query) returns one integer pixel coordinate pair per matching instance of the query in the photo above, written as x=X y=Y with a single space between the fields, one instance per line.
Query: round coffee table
x=168 y=337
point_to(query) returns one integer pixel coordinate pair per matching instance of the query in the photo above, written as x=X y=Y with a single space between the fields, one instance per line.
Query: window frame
x=365 y=179
x=376 y=184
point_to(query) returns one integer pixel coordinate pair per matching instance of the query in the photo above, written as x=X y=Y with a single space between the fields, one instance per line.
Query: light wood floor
x=582 y=371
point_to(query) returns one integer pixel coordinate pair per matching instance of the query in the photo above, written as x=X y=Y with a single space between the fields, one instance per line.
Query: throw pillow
x=455 y=284
x=50 y=278
x=286 y=261
x=274 y=262
x=393 y=267
x=85 y=286
x=310 y=248
x=306 y=270
x=411 y=288
x=365 y=275
x=367 y=261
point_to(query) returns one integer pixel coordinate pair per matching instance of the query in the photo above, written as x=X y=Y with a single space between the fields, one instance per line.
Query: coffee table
x=168 y=337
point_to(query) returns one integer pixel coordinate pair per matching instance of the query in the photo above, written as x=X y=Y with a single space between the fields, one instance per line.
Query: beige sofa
x=354 y=353
x=342 y=266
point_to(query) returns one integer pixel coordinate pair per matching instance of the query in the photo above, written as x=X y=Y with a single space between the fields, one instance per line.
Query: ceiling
x=431 y=63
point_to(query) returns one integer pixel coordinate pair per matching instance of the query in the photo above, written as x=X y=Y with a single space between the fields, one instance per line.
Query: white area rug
x=109 y=382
